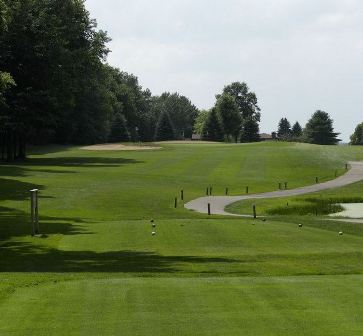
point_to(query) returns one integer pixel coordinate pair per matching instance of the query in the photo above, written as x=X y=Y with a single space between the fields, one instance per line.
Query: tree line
x=56 y=87
x=319 y=130
x=234 y=117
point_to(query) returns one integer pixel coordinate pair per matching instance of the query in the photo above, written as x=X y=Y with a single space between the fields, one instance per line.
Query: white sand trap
x=351 y=210
x=119 y=147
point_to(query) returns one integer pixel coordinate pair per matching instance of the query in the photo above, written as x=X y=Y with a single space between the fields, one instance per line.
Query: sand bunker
x=119 y=147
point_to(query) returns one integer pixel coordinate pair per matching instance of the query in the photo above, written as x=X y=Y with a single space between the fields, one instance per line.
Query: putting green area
x=96 y=269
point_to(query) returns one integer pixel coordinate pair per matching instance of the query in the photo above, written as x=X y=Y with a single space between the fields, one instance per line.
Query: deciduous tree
x=357 y=136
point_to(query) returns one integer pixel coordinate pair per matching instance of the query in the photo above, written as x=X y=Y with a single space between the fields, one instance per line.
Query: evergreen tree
x=357 y=136
x=119 y=131
x=296 y=131
x=229 y=115
x=164 y=128
x=250 y=131
x=212 y=130
x=284 y=129
x=319 y=130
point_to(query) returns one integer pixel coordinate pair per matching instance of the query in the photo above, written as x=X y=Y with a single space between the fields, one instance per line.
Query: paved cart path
x=218 y=203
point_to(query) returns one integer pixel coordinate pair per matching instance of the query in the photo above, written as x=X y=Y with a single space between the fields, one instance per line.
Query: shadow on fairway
x=16 y=190
x=30 y=165
x=75 y=161
x=26 y=257
x=16 y=223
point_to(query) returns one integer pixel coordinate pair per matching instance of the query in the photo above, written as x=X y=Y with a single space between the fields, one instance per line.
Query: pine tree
x=319 y=130
x=212 y=130
x=250 y=131
x=296 y=131
x=357 y=136
x=119 y=131
x=284 y=129
x=164 y=128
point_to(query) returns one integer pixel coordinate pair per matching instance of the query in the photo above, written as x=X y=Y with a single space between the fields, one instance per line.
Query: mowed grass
x=97 y=270
x=186 y=306
x=315 y=204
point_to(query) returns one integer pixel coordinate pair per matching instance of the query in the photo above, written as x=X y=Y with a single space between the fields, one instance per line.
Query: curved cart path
x=218 y=203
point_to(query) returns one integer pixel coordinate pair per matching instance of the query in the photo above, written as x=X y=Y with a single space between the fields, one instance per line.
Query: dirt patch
x=119 y=147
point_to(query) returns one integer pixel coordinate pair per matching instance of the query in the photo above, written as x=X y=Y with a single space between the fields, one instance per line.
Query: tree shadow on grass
x=26 y=257
x=16 y=190
x=16 y=223
x=75 y=161
x=35 y=165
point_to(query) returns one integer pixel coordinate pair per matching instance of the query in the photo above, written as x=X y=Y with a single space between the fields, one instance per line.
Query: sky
x=298 y=56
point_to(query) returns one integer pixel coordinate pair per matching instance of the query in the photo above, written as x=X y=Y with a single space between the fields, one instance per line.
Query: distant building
x=268 y=137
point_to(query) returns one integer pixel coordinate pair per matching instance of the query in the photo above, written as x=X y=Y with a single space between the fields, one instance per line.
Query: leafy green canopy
x=248 y=108
x=357 y=136
x=229 y=115
x=181 y=111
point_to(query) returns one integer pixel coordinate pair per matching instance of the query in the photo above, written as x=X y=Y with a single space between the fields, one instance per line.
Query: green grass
x=97 y=270
x=320 y=203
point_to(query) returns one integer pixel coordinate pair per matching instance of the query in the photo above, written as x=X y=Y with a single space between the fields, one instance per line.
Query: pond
x=351 y=210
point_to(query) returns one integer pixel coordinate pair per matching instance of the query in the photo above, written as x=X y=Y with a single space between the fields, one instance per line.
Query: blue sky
x=298 y=56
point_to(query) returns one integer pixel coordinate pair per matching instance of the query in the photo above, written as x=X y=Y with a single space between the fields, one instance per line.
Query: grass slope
x=96 y=270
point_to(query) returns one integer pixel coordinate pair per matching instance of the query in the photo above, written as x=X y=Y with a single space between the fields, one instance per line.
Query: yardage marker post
x=34 y=211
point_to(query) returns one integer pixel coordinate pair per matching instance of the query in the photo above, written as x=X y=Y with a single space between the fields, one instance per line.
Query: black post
x=227 y=191
x=346 y=166
x=207 y=191
x=209 y=212
x=247 y=190
x=210 y=191
x=254 y=212
x=36 y=213
x=285 y=185
x=32 y=212
x=176 y=202
x=182 y=195
x=317 y=179
x=280 y=186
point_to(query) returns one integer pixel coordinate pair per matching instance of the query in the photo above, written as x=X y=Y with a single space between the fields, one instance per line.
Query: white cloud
x=298 y=56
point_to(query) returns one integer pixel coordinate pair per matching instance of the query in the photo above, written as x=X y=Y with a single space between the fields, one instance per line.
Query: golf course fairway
x=96 y=269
